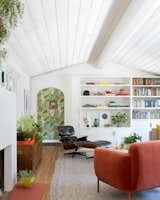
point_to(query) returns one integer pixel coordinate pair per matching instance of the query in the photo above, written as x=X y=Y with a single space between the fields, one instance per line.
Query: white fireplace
x=8 y=137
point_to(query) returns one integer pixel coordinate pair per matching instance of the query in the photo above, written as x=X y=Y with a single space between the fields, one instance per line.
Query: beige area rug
x=74 y=179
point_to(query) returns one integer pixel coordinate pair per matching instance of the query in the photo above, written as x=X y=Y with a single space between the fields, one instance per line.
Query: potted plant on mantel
x=120 y=119
x=27 y=127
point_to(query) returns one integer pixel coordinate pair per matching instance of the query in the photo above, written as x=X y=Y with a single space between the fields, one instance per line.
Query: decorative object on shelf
x=91 y=119
x=112 y=103
x=105 y=119
x=86 y=122
x=119 y=119
x=131 y=139
x=104 y=116
x=96 y=122
x=27 y=178
x=86 y=92
x=90 y=83
x=109 y=92
x=104 y=83
x=101 y=106
x=122 y=93
x=89 y=106
x=99 y=94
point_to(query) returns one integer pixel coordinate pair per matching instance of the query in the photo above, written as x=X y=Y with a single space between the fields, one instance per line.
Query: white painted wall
x=22 y=83
x=8 y=137
x=68 y=80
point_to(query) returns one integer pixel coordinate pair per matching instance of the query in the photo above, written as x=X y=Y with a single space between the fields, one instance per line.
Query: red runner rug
x=34 y=193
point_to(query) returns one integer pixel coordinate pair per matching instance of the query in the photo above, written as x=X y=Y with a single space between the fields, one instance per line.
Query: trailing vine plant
x=10 y=12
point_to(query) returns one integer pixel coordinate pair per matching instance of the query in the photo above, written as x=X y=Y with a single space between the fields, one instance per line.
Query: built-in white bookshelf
x=146 y=98
x=102 y=98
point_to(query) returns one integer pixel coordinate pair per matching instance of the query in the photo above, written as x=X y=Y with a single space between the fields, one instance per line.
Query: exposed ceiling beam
x=112 y=18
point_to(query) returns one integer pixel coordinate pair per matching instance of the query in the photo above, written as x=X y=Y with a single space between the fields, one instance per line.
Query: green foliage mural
x=50 y=111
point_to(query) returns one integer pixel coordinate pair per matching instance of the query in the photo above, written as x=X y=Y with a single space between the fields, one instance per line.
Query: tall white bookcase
x=101 y=98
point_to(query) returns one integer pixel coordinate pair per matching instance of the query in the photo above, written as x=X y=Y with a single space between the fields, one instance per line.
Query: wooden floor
x=46 y=168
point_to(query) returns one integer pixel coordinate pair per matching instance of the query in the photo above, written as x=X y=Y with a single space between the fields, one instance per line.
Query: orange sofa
x=137 y=170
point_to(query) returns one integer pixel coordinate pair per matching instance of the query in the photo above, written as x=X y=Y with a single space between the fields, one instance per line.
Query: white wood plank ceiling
x=56 y=33
x=136 y=40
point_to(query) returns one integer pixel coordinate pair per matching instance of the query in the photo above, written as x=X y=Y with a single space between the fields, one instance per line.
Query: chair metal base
x=75 y=153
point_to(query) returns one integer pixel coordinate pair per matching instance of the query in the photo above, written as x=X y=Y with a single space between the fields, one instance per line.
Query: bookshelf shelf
x=101 y=98
x=105 y=96
x=146 y=86
x=109 y=85
x=146 y=98
x=140 y=99
x=109 y=108
x=146 y=108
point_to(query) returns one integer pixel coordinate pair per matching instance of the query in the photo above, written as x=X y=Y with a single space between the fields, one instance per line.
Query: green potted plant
x=26 y=125
x=27 y=136
x=119 y=119
x=121 y=90
x=27 y=178
x=131 y=139
x=38 y=137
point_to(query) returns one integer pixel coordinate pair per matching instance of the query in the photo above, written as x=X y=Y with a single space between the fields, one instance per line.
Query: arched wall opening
x=50 y=111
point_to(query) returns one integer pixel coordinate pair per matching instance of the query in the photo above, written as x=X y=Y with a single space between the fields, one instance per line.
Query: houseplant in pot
x=27 y=136
x=119 y=119
x=27 y=178
x=131 y=139
x=26 y=125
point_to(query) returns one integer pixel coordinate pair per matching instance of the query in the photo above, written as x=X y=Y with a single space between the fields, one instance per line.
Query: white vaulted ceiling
x=135 y=42
x=56 y=33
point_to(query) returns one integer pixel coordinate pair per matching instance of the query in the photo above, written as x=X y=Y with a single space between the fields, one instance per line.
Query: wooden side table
x=28 y=154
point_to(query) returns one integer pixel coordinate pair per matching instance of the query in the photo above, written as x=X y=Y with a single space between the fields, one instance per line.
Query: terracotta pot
x=27 y=139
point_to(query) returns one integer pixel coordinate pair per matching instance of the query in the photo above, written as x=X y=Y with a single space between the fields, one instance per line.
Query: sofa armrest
x=113 y=167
